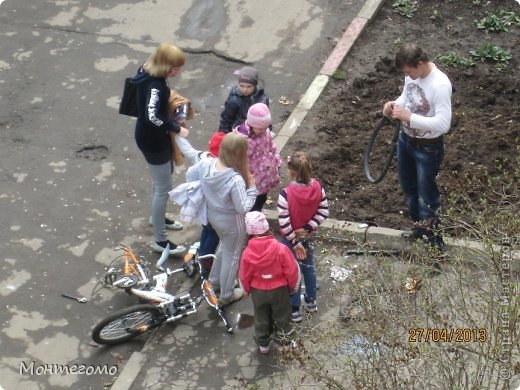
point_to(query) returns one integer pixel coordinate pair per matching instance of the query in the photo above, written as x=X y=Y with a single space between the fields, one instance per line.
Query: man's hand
x=401 y=114
x=388 y=108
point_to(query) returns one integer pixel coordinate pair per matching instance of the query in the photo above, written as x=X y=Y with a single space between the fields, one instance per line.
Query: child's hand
x=302 y=234
x=301 y=253
x=184 y=132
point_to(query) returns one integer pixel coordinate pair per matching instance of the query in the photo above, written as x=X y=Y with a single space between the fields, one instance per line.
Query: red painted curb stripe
x=342 y=48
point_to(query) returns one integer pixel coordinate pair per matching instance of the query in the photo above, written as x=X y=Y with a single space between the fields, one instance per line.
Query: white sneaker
x=237 y=295
x=174 y=249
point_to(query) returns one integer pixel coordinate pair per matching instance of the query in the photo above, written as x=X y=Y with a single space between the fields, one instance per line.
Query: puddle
x=246 y=321
x=93 y=152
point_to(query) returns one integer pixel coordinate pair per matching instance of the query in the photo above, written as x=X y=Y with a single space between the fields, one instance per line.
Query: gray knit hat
x=248 y=75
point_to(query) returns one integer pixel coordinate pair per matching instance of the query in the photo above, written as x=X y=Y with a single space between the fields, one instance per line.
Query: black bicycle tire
x=156 y=319
x=383 y=122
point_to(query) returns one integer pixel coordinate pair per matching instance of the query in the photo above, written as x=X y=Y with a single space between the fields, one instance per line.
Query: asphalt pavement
x=74 y=186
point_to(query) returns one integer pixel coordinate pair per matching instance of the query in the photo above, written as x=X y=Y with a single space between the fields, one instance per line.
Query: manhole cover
x=93 y=152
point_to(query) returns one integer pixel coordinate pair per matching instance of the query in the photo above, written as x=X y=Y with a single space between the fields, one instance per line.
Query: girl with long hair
x=152 y=134
x=230 y=192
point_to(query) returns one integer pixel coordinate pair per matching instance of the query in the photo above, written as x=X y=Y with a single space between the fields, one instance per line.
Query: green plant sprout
x=405 y=7
x=489 y=52
x=455 y=60
x=494 y=23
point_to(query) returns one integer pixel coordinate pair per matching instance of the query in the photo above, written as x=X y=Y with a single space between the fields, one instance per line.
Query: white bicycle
x=133 y=321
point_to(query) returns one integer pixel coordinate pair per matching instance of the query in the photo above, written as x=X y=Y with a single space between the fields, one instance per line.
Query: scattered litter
x=339 y=274
x=413 y=285
x=362 y=226
x=283 y=100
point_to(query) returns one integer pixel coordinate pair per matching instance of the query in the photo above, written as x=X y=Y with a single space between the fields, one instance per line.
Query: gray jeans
x=161 y=185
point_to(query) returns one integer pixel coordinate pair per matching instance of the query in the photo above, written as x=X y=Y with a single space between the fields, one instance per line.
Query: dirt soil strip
x=353 y=31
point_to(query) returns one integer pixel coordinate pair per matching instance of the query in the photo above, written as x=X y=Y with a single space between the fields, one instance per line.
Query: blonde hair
x=300 y=165
x=166 y=57
x=233 y=154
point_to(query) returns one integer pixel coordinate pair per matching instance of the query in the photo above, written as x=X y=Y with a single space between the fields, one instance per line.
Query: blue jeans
x=418 y=166
x=208 y=245
x=308 y=270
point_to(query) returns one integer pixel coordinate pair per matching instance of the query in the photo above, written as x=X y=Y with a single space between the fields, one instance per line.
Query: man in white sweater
x=424 y=109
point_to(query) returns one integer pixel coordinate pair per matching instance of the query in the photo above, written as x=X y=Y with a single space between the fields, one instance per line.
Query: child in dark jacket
x=241 y=97
x=269 y=272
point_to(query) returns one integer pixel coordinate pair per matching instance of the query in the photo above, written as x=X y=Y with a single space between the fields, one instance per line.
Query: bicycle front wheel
x=127 y=324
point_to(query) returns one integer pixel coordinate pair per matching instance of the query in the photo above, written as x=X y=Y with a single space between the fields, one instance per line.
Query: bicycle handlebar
x=208 y=256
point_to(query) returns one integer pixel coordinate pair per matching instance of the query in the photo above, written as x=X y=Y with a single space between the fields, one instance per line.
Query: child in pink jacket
x=264 y=159
x=270 y=273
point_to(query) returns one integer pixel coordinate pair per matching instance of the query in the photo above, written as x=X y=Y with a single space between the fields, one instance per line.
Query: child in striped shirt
x=302 y=207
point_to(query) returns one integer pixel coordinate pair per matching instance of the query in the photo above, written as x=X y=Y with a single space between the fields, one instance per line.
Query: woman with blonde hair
x=230 y=192
x=152 y=134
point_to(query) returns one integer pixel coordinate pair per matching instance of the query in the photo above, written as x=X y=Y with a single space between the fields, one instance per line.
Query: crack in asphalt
x=216 y=53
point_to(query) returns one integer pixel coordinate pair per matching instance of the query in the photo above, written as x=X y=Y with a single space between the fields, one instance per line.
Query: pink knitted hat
x=256 y=223
x=258 y=116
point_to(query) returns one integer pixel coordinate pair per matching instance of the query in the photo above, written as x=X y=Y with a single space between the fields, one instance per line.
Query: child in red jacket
x=270 y=273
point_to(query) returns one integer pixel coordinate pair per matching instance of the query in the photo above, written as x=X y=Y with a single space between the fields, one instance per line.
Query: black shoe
x=169 y=224
x=174 y=249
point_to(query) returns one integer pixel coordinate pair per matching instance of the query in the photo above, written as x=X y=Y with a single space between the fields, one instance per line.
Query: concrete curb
x=130 y=372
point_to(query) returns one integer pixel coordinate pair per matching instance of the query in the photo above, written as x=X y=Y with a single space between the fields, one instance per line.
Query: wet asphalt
x=73 y=184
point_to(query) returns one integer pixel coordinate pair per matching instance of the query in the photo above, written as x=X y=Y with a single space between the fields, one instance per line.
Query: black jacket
x=236 y=106
x=153 y=125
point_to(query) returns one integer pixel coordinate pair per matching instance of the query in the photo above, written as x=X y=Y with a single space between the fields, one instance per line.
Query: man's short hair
x=410 y=55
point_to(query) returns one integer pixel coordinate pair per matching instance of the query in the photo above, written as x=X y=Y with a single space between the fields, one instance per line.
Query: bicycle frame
x=135 y=281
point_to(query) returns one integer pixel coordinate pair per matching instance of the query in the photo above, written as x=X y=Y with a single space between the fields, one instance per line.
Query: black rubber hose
x=383 y=122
